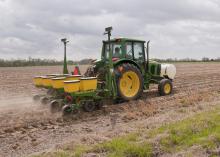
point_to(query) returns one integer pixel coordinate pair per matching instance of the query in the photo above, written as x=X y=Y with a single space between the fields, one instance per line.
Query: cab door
x=135 y=51
x=139 y=54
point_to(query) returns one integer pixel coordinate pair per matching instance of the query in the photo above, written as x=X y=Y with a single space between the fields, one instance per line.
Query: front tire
x=165 y=87
x=129 y=81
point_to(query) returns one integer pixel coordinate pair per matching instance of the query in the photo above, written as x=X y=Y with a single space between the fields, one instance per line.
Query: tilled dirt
x=28 y=128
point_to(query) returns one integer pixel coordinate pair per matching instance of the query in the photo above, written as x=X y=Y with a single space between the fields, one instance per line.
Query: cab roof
x=123 y=39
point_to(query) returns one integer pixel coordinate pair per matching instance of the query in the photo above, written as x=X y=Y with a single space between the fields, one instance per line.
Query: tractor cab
x=126 y=50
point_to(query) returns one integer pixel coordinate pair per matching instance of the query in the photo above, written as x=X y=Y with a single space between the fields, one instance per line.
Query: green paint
x=65 y=69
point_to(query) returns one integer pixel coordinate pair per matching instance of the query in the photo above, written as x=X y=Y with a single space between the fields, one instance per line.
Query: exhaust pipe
x=147 y=51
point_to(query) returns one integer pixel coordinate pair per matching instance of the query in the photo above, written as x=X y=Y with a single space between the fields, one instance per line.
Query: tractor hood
x=162 y=69
x=168 y=70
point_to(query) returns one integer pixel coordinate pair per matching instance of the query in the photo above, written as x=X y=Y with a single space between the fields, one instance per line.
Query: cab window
x=138 y=51
x=116 y=50
x=129 y=52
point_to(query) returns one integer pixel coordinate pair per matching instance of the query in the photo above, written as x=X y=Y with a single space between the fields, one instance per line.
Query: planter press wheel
x=45 y=100
x=55 y=106
x=36 y=97
x=66 y=110
x=89 y=106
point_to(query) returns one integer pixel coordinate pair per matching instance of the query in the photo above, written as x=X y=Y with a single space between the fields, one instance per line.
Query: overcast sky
x=176 y=28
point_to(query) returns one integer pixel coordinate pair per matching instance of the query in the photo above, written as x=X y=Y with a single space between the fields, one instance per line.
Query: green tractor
x=123 y=73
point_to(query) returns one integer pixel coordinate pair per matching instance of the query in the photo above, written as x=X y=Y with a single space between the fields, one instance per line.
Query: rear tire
x=165 y=87
x=129 y=81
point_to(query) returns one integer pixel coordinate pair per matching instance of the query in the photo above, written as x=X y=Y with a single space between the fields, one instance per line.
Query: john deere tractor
x=125 y=69
x=122 y=74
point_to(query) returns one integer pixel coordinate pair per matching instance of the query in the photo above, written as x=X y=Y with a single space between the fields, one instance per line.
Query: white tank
x=168 y=70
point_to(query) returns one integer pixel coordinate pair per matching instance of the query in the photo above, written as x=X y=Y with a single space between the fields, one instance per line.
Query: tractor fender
x=122 y=61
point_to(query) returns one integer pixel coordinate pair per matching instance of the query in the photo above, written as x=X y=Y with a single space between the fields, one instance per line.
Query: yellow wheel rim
x=129 y=84
x=167 y=88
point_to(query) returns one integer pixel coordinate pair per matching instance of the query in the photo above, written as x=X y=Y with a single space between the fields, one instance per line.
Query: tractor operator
x=117 y=52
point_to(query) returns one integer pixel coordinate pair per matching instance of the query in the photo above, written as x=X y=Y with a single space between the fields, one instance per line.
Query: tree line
x=39 y=62
x=50 y=62
x=204 y=59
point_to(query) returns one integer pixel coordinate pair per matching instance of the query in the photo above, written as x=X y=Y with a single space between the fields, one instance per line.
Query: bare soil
x=28 y=128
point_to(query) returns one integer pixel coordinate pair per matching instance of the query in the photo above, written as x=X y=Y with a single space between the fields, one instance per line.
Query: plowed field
x=27 y=127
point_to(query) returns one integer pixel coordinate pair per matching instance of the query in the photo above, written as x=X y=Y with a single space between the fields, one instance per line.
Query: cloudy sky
x=176 y=28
